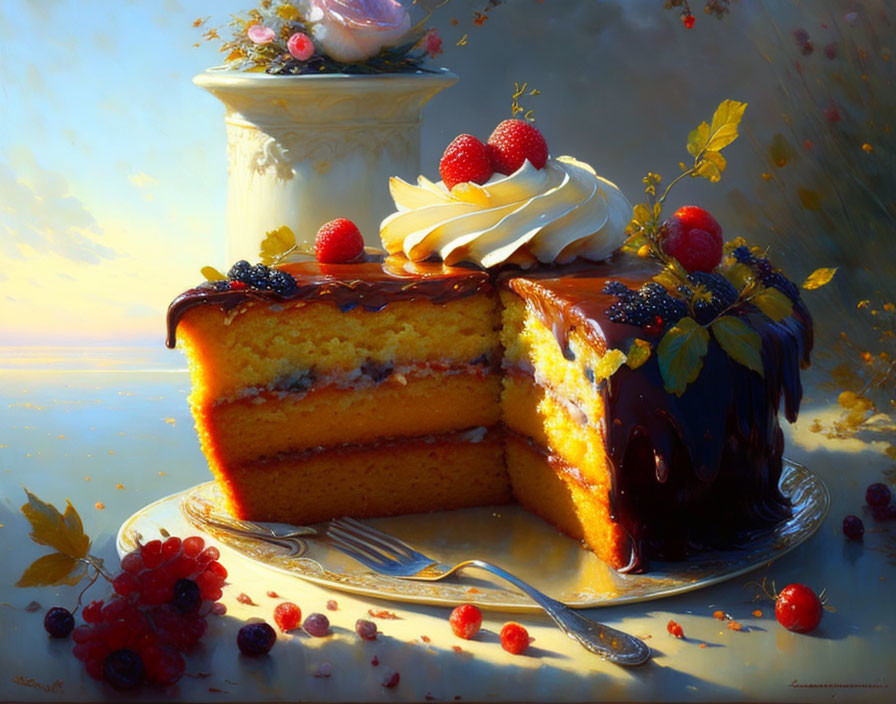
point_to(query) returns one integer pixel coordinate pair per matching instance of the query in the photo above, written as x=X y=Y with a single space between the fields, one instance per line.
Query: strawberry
x=465 y=159
x=338 y=241
x=514 y=141
x=465 y=621
x=798 y=608
x=514 y=638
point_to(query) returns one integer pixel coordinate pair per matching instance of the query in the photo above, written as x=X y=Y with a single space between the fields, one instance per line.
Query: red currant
x=151 y=553
x=465 y=621
x=193 y=546
x=514 y=638
x=287 y=616
x=798 y=608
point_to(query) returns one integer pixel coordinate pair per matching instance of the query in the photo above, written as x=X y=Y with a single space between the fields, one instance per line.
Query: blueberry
x=123 y=669
x=59 y=622
x=256 y=639
x=853 y=528
x=187 y=597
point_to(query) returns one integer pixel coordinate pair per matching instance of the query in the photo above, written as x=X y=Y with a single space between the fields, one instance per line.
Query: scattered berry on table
x=798 y=608
x=332 y=605
x=514 y=638
x=878 y=494
x=390 y=678
x=853 y=528
x=365 y=629
x=256 y=639
x=317 y=625
x=465 y=621
x=59 y=622
x=123 y=669
x=287 y=616
x=513 y=142
x=465 y=160
x=675 y=629
x=338 y=241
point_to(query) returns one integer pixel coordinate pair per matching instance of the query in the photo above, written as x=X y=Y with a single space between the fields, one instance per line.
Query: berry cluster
x=158 y=611
x=262 y=278
x=511 y=144
x=766 y=273
x=649 y=306
x=723 y=295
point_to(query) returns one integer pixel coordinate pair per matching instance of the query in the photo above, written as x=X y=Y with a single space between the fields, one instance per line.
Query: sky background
x=113 y=164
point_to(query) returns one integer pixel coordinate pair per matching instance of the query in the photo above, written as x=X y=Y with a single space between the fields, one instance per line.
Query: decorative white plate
x=506 y=535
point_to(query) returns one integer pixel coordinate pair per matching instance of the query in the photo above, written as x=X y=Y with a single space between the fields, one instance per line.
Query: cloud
x=42 y=216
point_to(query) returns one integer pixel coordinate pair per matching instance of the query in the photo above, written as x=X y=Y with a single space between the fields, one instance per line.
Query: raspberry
x=514 y=638
x=696 y=250
x=59 y=622
x=256 y=639
x=675 y=629
x=465 y=621
x=317 y=625
x=287 y=616
x=512 y=143
x=464 y=160
x=798 y=608
x=693 y=217
x=853 y=528
x=338 y=241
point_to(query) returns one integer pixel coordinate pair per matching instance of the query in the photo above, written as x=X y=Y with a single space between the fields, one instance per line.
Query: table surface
x=110 y=430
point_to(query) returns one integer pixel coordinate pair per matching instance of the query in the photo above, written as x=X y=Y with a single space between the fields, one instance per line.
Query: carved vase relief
x=303 y=150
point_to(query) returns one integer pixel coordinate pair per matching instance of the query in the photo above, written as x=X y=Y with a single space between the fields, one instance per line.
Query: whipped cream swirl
x=554 y=214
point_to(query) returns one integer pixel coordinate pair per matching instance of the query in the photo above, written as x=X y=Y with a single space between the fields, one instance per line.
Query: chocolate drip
x=372 y=284
x=692 y=471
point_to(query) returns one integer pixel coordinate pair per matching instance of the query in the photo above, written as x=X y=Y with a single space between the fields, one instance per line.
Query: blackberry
x=773 y=278
x=650 y=305
x=187 y=596
x=123 y=669
x=722 y=292
x=59 y=622
x=282 y=283
x=743 y=255
x=240 y=271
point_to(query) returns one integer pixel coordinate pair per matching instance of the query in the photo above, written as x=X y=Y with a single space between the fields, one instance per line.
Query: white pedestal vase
x=303 y=150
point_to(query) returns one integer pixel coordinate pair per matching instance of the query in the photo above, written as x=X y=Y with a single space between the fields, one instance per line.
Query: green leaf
x=52 y=570
x=638 y=353
x=739 y=341
x=212 y=274
x=698 y=139
x=723 y=130
x=49 y=527
x=819 y=278
x=773 y=303
x=680 y=354
x=275 y=244
x=711 y=166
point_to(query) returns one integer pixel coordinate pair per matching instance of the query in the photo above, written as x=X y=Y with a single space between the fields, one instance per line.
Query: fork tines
x=362 y=536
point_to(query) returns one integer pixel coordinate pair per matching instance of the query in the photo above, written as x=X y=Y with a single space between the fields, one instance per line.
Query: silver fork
x=387 y=555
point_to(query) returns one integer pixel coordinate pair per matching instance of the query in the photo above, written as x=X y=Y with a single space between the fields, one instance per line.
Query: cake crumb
x=426 y=639
x=757 y=613
x=274 y=595
x=374 y=661
x=32 y=607
x=119 y=486
x=86 y=479
x=703 y=645
x=383 y=614
x=473 y=590
x=332 y=605
x=99 y=505
x=719 y=615
x=244 y=598
x=457 y=649
x=161 y=474
x=735 y=626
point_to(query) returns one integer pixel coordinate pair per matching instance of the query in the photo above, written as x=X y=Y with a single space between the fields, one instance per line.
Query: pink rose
x=259 y=34
x=300 y=46
x=354 y=30
x=432 y=43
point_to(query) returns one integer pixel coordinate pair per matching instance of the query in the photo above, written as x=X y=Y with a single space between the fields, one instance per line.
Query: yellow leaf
x=773 y=303
x=725 y=120
x=608 y=364
x=641 y=214
x=711 y=166
x=51 y=570
x=49 y=527
x=819 y=278
x=212 y=274
x=667 y=279
x=698 y=139
x=638 y=354
x=275 y=244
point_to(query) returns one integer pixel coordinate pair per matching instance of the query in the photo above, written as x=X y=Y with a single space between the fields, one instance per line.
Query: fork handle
x=618 y=647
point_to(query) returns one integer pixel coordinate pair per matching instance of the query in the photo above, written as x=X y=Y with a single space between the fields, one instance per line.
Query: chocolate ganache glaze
x=688 y=472
x=692 y=471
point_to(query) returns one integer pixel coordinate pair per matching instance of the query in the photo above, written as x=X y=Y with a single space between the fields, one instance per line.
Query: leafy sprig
x=683 y=346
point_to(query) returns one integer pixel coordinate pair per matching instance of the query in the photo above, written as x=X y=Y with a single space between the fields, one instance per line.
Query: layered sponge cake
x=371 y=390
